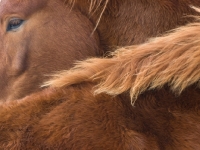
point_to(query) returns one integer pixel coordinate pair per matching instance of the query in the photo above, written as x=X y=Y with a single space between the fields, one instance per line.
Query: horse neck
x=131 y=22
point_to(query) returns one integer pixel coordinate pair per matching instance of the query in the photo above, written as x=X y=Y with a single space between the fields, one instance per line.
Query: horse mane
x=94 y=5
x=172 y=59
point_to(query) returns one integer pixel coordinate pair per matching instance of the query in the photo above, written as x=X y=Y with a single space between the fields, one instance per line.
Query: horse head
x=38 y=38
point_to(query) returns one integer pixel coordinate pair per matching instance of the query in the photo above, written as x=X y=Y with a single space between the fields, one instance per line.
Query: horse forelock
x=94 y=6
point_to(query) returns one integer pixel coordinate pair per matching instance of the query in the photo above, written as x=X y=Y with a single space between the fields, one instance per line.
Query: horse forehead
x=20 y=6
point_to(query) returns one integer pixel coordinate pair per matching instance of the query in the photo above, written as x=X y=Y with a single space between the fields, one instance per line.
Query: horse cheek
x=16 y=49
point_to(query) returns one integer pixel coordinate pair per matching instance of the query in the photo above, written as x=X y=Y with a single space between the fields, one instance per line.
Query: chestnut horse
x=38 y=38
x=42 y=36
x=72 y=118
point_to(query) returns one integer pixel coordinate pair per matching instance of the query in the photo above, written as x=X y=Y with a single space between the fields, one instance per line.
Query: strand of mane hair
x=172 y=59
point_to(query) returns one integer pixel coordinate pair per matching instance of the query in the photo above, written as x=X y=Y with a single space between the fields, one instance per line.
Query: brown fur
x=49 y=41
x=72 y=118
x=172 y=59
x=128 y=22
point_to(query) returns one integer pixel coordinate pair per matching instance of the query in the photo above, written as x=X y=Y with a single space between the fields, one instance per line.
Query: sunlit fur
x=51 y=38
x=57 y=32
x=73 y=118
x=172 y=59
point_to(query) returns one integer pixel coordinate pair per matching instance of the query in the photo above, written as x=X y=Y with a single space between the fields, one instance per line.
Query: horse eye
x=14 y=23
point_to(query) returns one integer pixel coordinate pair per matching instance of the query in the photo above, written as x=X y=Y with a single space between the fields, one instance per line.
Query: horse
x=162 y=77
x=140 y=68
x=128 y=22
x=41 y=37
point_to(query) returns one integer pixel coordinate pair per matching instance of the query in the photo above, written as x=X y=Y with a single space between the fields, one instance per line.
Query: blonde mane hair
x=173 y=59
x=94 y=5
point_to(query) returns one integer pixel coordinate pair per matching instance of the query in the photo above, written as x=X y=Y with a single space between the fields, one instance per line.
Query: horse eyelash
x=14 y=24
